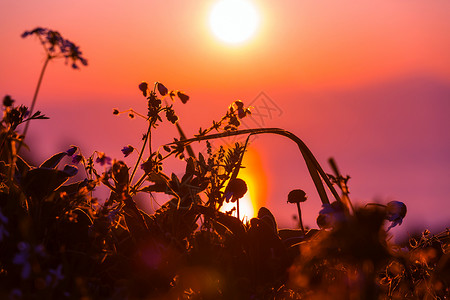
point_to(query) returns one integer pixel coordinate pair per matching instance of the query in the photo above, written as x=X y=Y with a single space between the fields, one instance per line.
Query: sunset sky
x=365 y=82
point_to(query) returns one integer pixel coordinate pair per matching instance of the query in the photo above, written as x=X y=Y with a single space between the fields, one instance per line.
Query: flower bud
x=143 y=87
x=296 y=196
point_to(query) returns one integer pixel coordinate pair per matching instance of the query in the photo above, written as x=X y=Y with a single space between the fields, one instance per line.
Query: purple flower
x=162 y=89
x=395 y=212
x=102 y=159
x=54 y=276
x=71 y=151
x=127 y=150
x=331 y=215
x=77 y=158
x=183 y=97
x=70 y=170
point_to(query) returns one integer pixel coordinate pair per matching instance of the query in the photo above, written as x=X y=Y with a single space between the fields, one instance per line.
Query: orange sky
x=367 y=82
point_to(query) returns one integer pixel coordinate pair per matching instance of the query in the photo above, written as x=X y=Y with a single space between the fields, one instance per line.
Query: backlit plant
x=58 y=241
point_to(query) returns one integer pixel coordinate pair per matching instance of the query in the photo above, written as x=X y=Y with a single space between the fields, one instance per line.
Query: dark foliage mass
x=58 y=241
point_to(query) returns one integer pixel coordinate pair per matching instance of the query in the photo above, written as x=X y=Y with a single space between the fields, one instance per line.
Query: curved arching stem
x=315 y=170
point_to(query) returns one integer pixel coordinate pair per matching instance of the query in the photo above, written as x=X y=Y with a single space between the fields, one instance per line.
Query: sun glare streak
x=246 y=207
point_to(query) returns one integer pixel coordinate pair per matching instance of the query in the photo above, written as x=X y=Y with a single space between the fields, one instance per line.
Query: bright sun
x=234 y=21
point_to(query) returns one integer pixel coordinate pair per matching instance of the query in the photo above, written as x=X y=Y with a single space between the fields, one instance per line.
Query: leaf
x=73 y=188
x=53 y=161
x=41 y=182
x=22 y=165
x=265 y=215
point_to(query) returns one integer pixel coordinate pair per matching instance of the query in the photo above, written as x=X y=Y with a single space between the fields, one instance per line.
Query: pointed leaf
x=265 y=215
x=53 y=161
x=22 y=165
x=41 y=182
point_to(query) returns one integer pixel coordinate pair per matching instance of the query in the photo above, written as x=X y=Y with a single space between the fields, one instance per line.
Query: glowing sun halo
x=234 y=21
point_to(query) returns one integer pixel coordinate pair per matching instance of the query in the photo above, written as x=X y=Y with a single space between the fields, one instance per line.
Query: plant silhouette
x=58 y=241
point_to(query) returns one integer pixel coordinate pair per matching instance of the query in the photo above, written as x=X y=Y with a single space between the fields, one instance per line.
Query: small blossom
x=77 y=158
x=70 y=170
x=236 y=189
x=395 y=212
x=143 y=86
x=54 y=276
x=171 y=116
x=331 y=215
x=239 y=104
x=127 y=150
x=161 y=89
x=296 y=196
x=241 y=113
x=71 y=151
x=57 y=46
x=8 y=101
x=183 y=97
x=115 y=111
x=102 y=159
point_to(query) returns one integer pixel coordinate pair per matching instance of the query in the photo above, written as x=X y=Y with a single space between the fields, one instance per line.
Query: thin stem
x=300 y=218
x=142 y=150
x=237 y=207
x=33 y=103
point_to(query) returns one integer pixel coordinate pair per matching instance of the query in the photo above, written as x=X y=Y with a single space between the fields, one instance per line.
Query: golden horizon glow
x=246 y=207
x=254 y=176
x=234 y=21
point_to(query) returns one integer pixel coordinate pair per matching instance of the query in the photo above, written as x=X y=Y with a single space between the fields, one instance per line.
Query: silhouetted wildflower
x=331 y=215
x=71 y=151
x=143 y=86
x=170 y=115
x=102 y=159
x=115 y=111
x=127 y=150
x=76 y=159
x=183 y=97
x=57 y=46
x=162 y=89
x=298 y=196
x=395 y=212
x=54 y=276
x=8 y=101
x=70 y=170
x=235 y=190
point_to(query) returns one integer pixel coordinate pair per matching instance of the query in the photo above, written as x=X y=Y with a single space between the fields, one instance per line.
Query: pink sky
x=367 y=82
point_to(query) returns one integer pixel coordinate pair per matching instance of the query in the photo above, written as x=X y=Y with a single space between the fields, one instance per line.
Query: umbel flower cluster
x=59 y=241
